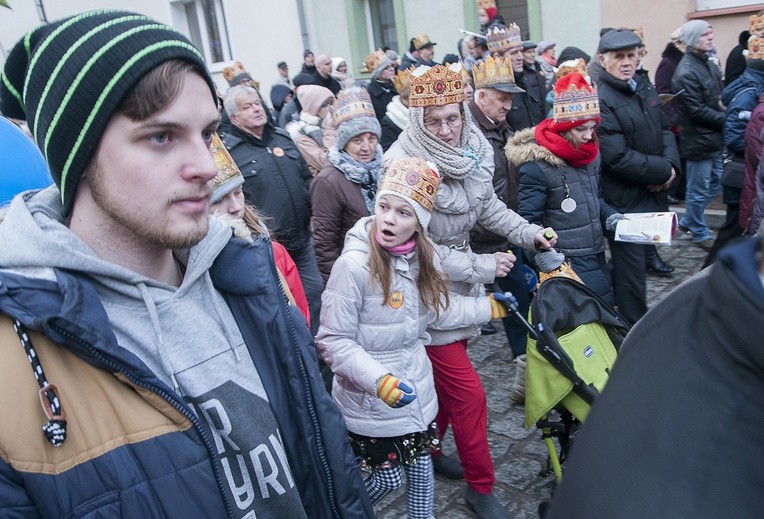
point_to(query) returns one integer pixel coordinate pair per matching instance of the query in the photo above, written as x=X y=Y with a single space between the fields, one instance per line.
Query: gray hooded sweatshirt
x=186 y=335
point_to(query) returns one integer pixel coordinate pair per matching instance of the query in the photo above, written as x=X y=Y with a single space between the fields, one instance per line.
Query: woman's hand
x=504 y=263
x=545 y=239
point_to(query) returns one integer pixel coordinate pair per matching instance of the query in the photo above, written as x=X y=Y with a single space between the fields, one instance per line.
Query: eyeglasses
x=451 y=122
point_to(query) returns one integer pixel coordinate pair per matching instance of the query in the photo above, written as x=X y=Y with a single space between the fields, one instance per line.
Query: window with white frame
x=380 y=21
x=204 y=23
x=707 y=5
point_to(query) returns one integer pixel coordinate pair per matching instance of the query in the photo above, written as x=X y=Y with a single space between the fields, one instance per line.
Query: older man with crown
x=441 y=131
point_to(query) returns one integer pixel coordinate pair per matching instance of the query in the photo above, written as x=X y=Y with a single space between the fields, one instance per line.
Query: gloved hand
x=394 y=392
x=612 y=221
x=549 y=260
x=498 y=310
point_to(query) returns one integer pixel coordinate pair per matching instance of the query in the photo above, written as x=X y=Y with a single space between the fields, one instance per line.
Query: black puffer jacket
x=636 y=144
x=701 y=114
x=528 y=108
x=276 y=181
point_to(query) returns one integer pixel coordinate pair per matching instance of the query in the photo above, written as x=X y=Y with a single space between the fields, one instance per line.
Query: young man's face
x=706 y=41
x=149 y=182
x=324 y=66
x=284 y=71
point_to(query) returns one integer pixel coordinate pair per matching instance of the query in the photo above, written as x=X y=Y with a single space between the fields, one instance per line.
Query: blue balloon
x=22 y=166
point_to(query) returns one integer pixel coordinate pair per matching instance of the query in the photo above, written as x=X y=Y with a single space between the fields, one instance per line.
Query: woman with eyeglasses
x=440 y=132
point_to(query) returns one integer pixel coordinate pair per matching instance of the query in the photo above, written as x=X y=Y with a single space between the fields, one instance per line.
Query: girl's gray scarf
x=452 y=161
x=365 y=175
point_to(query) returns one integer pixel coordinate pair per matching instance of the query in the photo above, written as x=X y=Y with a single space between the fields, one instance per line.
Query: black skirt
x=405 y=449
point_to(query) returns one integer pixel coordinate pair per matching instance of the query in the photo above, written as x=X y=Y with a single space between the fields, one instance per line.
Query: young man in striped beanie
x=158 y=354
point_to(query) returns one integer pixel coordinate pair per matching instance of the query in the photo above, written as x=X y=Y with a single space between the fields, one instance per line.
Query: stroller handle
x=549 y=348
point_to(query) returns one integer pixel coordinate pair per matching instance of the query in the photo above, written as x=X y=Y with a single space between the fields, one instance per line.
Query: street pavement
x=519 y=455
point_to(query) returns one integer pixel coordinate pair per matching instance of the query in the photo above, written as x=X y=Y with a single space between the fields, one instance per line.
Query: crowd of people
x=279 y=327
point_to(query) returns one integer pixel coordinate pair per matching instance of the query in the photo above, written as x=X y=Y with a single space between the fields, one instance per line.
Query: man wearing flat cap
x=639 y=157
x=698 y=83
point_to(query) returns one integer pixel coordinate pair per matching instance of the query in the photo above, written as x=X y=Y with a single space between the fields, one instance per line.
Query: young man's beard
x=151 y=230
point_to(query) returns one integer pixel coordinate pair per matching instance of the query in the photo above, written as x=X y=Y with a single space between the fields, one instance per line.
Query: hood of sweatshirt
x=155 y=321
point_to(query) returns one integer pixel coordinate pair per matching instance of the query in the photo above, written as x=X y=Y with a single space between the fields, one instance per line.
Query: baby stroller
x=574 y=337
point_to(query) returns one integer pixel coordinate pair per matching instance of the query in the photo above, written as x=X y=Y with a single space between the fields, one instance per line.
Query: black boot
x=485 y=506
x=655 y=263
x=447 y=467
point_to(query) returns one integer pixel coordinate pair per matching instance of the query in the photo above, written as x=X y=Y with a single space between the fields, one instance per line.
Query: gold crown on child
x=573 y=104
x=413 y=177
x=501 y=40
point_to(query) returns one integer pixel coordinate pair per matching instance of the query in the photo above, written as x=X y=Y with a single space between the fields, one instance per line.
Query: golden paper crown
x=422 y=40
x=435 y=86
x=756 y=23
x=493 y=71
x=486 y=4
x=640 y=32
x=414 y=178
x=401 y=79
x=755 y=48
x=375 y=59
x=500 y=40
x=228 y=175
x=237 y=75
x=351 y=103
x=575 y=99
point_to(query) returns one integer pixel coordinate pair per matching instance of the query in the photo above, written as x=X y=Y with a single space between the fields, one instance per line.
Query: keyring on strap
x=55 y=429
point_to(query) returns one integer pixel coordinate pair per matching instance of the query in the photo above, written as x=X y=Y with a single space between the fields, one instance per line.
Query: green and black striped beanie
x=68 y=78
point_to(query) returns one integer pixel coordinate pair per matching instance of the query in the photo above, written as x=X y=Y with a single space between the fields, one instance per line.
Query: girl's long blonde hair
x=431 y=283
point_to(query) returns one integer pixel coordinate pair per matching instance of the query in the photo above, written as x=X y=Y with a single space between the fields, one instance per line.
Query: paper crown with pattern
x=228 y=175
x=486 y=4
x=414 y=180
x=756 y=23
x=401 y=79
x=350 y=104
x=492 y=72
x=574 y=99
x=435 y=86
x=501 y=39
x=376 y=60
x=755 y=48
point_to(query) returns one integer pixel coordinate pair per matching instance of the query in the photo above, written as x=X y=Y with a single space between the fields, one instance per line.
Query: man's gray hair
x=229 y=103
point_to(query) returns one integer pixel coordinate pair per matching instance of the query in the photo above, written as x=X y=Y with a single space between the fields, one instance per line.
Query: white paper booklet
x=652 y=228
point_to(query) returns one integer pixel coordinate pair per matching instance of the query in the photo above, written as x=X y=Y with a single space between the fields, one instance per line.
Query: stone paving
x=518 y=454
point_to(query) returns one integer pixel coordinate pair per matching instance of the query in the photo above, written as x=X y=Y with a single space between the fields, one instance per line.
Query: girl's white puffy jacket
x=363 y=336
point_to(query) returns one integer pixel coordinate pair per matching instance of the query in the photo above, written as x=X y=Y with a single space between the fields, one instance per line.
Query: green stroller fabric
x=593 y=355
x=588 y=329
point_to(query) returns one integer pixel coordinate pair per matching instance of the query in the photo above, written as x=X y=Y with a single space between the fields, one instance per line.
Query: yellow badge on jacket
x=278 y=152
x=396 y=299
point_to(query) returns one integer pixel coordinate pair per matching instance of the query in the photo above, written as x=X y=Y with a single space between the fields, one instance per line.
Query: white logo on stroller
x=588 y=351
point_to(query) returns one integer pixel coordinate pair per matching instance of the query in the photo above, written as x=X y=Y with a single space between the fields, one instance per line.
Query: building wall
x=568 y=24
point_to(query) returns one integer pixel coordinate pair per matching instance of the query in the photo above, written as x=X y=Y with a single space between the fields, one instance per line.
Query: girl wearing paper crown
x=441 y=131
x=559 y=182
x=385 y=290
x=228 y=202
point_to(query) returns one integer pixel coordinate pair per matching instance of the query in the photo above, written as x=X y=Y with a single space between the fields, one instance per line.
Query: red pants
x=462 y=403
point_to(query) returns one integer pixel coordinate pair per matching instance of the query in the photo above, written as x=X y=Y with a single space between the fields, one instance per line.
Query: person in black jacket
x=735 y=64
x=380 y=88
x=529 y=106
x=276 y=182
x=323 y=74
x=659 y=440
x=639 y=158
x=698 y=84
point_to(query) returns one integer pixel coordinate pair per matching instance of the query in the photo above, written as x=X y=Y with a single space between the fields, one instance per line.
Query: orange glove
x=498 y=310
x=393 y=392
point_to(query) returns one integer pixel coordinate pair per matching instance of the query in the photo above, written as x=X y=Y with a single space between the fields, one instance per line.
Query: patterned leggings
x=420 y=492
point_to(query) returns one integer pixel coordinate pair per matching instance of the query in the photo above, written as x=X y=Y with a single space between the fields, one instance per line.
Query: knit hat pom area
x=69 y=77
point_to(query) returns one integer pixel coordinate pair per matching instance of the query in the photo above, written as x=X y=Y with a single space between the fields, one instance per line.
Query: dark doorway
x=515 y=11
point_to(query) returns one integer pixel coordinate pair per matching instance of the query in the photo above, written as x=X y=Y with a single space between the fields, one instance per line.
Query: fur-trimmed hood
x=522 y=148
